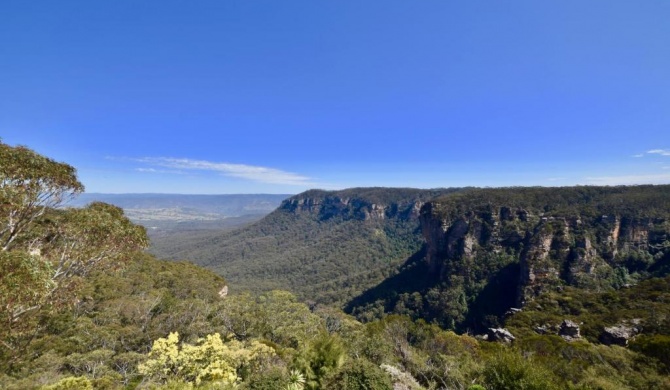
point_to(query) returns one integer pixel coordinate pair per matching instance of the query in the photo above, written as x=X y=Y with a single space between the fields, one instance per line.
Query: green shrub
x=510 y=371
x=71 y=383
x=656 y=346
x=272 y=379
x=359 y=375
x=320 y=360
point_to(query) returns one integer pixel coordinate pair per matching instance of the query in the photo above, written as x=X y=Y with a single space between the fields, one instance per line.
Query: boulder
x=569 y=330
x=223 y=292
x=618 y=334
x=500 y=334
x=482 y=337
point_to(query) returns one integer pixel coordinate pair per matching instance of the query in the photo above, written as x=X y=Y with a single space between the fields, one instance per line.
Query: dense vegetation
x=483 y=240
x=327 y=253
x=273 y=341
x=585 y=201
x=83 y=308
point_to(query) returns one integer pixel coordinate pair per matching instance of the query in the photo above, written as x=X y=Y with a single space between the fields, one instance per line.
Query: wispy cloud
x=249 y=172
x=154 y=170
x=663 y=178
x=638 y=155
x=661 y=152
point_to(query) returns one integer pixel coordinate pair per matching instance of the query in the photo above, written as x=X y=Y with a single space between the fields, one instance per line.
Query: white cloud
x=638 y=155
x=662 y=152
x=663 y=178
x=154 y=170
x=249 y=172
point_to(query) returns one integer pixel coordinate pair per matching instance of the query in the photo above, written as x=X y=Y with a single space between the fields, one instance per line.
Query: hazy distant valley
x=166 y=215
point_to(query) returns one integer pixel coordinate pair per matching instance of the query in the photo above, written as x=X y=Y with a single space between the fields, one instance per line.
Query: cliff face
x=361 y=204
x=573 y=246
x=334 y=206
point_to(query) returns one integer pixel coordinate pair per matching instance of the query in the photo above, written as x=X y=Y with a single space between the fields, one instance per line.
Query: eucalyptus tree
x=45 y=249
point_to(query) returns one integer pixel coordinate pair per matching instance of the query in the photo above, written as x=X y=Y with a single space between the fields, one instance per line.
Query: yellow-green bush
x=211 y=360
x=71 y=383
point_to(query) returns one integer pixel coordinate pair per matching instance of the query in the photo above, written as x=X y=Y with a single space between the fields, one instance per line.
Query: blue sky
x=281 y=96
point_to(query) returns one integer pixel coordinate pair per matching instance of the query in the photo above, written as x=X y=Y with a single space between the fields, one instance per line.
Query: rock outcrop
x=500 y=335
x=362 y=204
x=619 y=334
x=576 y=244
x=569 y=330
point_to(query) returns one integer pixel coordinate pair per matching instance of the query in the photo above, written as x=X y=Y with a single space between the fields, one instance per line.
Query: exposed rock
x=223 y=292
x=538 y=268
x=544 y=329
x=415 y=211
x=569 y=330
x=500 y=334
x=468 y=244
x=618 y=334
x=454 y=236
x=374 y=211
x=482 y=337
x=512 y=311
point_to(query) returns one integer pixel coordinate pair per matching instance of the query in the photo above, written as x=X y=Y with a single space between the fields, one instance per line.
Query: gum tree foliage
x=277 y=316
x=29 y=185
x=46 y=249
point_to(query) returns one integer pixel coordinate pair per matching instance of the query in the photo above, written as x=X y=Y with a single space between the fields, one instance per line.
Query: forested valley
x=469 y=289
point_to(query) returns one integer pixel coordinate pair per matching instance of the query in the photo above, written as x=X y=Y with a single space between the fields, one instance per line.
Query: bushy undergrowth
x=109 y=341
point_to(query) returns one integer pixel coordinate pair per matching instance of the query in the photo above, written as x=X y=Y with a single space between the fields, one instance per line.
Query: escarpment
x=587 y=237
x=361 y=204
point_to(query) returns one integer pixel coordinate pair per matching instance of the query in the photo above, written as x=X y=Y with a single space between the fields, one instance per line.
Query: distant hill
x=167 y=214
x=327 y=246
x=229 y=205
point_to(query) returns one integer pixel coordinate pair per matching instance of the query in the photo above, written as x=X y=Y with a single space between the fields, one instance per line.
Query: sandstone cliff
x=362 y=203
x=583 y=236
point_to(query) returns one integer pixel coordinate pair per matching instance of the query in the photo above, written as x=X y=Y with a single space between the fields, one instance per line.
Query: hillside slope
x=327 y=246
